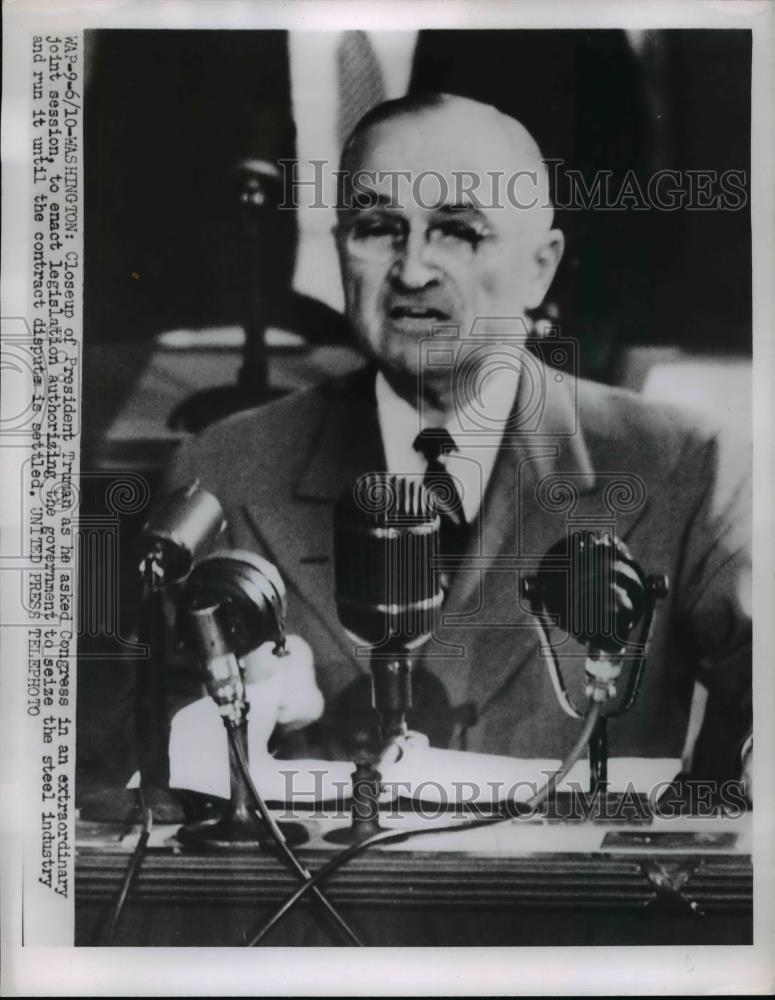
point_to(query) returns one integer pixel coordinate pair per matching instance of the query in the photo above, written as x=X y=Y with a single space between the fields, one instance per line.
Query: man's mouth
x=427 y=313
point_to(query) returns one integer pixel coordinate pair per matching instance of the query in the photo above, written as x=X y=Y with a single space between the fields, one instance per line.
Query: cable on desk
x=105 y=938
x=594 y=713
x=397 y=836
x=282 y=843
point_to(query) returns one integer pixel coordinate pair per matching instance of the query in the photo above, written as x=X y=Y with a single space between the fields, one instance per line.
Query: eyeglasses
x=381 y=237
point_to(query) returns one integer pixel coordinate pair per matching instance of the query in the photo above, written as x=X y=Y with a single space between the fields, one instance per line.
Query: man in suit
x=439 y=287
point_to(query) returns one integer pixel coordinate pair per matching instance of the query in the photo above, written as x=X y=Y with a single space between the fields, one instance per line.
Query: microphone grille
x=386 y=534
x=593 y=586
x=380 y=498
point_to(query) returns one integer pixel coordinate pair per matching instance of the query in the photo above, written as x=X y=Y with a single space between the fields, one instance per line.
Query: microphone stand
x=185 y=523
x=605 y=657
x=602 y=672
x=598 y=756
x=391 y=692
x=232 y=602
x=391 y=688
x=151 y=722
x=386 y=532
x=238 y=827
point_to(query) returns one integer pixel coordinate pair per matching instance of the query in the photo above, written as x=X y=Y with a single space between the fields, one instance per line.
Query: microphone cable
x=398 y=836
x=277 y=834
x=105 y=938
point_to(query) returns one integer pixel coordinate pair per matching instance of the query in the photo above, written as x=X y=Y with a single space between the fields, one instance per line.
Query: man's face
x=421 y=254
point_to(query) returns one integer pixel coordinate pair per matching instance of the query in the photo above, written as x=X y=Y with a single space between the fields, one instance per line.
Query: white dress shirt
x=477 y=441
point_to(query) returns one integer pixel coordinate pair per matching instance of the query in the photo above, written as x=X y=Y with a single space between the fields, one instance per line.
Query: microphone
x=595 y=591
x=591 y=587
x=386 y=536
x=231 y=603
x=186 y=522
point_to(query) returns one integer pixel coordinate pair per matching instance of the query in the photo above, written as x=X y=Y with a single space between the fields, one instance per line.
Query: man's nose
x=412 y=267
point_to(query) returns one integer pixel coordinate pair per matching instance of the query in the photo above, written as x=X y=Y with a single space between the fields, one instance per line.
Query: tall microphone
x=183 y=525
x=386 y=535
x=590 y=586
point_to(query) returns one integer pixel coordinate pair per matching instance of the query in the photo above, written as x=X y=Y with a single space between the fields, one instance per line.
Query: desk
x=543 y=884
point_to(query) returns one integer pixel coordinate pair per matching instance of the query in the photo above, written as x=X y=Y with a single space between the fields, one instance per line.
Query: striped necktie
x=432 y=443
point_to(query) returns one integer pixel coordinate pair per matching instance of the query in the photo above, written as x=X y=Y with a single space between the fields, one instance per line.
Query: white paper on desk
x=199 y=761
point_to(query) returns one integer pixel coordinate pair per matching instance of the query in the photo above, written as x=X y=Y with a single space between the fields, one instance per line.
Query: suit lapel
x=518 y=523
x=299 y=532
x=516 y=518
x=349 y=443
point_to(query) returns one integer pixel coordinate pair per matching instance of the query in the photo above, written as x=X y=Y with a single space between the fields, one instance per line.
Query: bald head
x=444 y=220
x=485 y=155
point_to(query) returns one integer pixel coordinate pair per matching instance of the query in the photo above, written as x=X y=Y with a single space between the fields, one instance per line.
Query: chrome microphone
x=186 y=523
x=386 y=537
x=232 y=602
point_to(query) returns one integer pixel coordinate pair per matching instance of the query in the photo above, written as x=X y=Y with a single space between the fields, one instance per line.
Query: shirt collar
x=476 y=427
x=485 y=415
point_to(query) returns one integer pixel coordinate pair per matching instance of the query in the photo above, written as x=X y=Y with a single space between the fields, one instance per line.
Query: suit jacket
x=577 y=455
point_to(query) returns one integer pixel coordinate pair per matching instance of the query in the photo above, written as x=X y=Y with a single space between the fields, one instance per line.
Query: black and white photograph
x=387 y=432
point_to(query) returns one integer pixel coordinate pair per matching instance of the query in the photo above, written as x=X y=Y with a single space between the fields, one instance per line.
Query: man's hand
x=289 y=681
x=279 y=689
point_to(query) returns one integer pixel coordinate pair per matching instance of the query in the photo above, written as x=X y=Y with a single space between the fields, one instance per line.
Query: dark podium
x=679 y=881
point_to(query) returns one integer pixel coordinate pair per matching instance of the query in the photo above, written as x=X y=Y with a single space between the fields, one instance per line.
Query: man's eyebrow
x=458 y=207
x=379 y=197
x=365 y=200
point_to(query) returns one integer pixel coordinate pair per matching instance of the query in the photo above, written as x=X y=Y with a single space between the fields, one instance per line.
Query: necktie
x=360 y=79
x=443 y=488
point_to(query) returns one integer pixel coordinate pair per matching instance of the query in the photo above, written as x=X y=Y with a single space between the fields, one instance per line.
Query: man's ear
x=547 y=257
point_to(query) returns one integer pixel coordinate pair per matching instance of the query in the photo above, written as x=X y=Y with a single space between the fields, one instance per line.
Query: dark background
x=169 y=113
